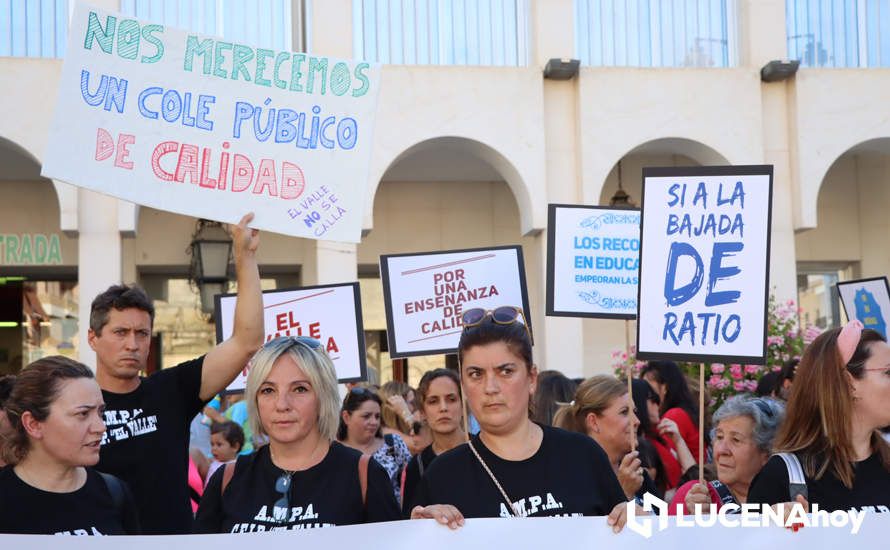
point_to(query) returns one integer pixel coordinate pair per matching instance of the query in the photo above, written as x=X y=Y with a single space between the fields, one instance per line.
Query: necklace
x=310 y=463
x=289 y=473
x=510 y=505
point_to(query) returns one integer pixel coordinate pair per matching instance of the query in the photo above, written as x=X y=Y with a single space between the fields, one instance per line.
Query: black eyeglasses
x=282 y=486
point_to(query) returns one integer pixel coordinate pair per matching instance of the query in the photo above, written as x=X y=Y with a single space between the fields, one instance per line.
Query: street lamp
x=621 y=198
x=211 y=250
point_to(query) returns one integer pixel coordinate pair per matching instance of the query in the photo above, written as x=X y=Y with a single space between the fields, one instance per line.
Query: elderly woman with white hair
x=744 y=429
x=303 y=478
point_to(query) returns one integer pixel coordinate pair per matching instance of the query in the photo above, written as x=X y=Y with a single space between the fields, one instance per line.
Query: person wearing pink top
x=677 y=403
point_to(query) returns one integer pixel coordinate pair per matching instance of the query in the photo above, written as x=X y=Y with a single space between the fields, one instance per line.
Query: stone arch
x=812 y=176
x=29 y=164
x=532 y=209
x=699 y=152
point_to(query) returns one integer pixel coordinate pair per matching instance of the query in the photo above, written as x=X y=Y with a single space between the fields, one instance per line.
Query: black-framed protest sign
x=704 y=264
x=592 y=261
x=867 y=300
x=332 y=314
x=426 y=293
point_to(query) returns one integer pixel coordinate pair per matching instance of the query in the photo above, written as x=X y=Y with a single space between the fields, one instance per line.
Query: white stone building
x=472 y=143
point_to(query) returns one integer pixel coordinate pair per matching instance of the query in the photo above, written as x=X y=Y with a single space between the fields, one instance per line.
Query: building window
x=31 y=28
x=181 y=331
x=263 y=23
x=666 y=33
x=441 y=32
x=817 y=294
x=839 y=33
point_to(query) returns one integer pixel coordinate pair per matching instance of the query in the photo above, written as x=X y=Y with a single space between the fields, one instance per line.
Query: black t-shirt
x=147 y=443
x=90 y=510
x=871 y=487
x=648 y=486
x=325 y=495
x=413 y=475
x=569 y=475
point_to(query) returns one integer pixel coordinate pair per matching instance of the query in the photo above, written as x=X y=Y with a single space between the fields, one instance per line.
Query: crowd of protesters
x=108 y=453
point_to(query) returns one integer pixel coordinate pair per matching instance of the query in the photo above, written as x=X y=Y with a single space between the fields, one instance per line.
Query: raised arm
x=223 y=363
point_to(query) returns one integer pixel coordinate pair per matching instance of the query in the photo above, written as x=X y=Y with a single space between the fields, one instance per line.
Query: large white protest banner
x=210 y=128
x=704 y=263
x=593 y=255
x=867 y=300
x=519 y=534
x=331 y=314
x=426 y=294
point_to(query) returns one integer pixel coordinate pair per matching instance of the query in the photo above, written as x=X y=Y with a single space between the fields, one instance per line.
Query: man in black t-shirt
x=147 y=419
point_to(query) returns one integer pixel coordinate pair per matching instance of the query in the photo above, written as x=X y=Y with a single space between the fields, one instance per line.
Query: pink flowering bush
x=785 y=340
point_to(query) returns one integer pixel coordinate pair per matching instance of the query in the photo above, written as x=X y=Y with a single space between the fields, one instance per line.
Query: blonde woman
x=601 y=410
x=303 y=478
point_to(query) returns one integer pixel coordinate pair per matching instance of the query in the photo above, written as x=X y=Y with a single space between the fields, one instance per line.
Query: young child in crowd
x=226 y=441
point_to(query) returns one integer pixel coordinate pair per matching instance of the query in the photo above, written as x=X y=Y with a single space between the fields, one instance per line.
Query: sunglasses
x=282 y=486
x=503 y=315
x=763 y=406
x=305 y=341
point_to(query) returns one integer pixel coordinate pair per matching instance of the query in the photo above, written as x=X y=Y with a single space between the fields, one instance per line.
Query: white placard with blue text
x=592 y=261
x=211 y=128
x=704 y=263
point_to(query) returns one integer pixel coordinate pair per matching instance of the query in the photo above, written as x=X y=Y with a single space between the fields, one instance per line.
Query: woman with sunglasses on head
x=360 y=428
x=56 y=427
x=831 y=435
x=302 y=479
x=439 y=403
x=513 y=467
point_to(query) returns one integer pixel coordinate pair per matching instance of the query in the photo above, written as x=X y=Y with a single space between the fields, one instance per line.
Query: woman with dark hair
x=6 y=383
x=439 y=403
x=56 y=428
x=677 y=403
x=302 y=479
x=830 y=440
x=554 y=389
x=674 y=456
x=360 y=428
x=513 y=467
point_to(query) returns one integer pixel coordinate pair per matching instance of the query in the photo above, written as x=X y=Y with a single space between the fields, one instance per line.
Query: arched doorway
x=441 y=194
x=849 y=240
x=603 y=337
x=38 y=266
